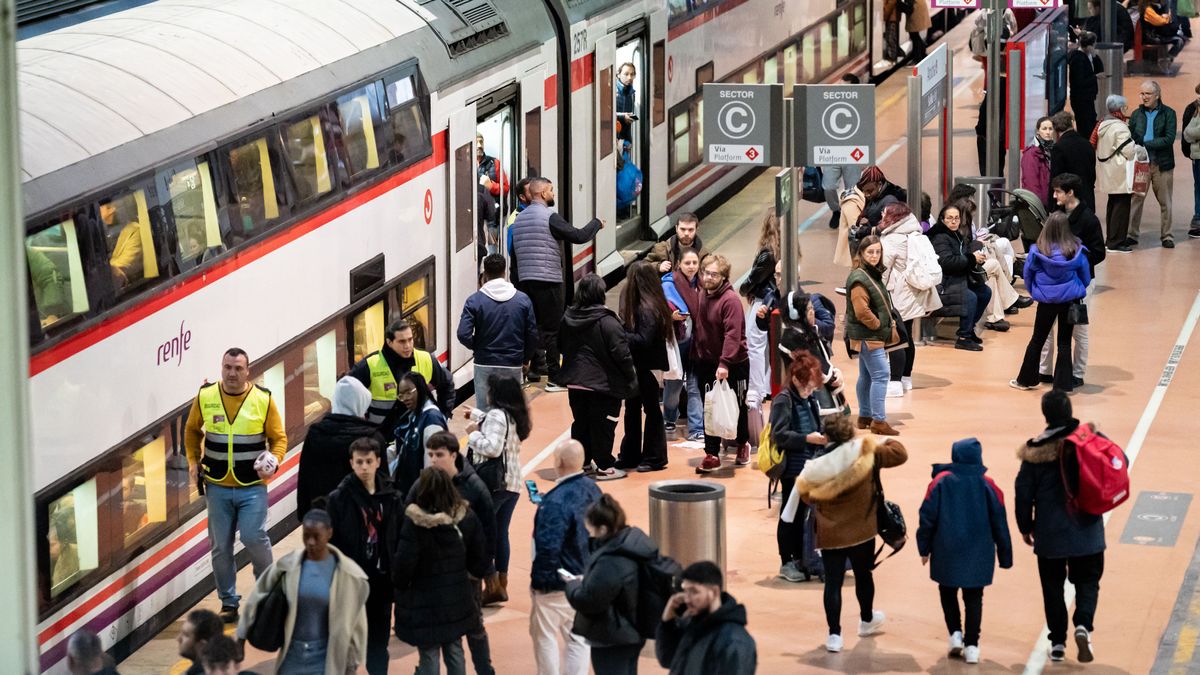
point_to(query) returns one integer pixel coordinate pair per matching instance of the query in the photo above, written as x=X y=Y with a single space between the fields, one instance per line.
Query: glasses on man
x=712 y=274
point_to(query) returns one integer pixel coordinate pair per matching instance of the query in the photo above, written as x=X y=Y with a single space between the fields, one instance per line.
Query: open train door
x=533 y=98
x=657 y=174
x=462 y=276
x=605 y=189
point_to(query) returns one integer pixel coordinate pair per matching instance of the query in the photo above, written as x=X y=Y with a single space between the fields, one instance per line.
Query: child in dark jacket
x=963 y=530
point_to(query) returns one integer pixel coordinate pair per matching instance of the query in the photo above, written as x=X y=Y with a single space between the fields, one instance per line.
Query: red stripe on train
x=583 y=71
x=550 y=95
x=168 y=296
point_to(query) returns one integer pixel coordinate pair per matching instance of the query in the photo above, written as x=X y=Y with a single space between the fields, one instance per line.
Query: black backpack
x=657 y=580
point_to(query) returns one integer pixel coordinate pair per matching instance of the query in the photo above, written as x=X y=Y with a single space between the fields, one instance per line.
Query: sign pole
x=787 y=225
x=915 y=129
x=947 y=128
x=991 y=163
x=1015 y=142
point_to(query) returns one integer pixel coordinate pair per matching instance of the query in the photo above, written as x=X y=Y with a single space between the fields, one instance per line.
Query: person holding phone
x=681 y=286
x=703 y=628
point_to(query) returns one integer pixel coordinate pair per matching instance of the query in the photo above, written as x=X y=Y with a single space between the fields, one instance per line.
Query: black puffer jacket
x=647 y=344
x=792 y=420
x=595 y=352
x=348 y=507
x=325 y=458
x=436 y=556
x=954 y=256
x=471 y=488
x=605 y=600
x=714 y=643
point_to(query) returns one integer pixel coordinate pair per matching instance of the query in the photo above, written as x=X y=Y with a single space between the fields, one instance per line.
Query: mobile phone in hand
x=567 y=575
x=531 y=486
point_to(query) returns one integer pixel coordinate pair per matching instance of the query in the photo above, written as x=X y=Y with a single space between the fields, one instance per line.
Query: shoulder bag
x=1077 y=314
x=899 y=330
x=492 y=470
x=267 y=631
x=889 y=522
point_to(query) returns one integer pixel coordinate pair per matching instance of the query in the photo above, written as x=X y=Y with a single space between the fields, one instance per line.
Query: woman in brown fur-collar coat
x=840 y=487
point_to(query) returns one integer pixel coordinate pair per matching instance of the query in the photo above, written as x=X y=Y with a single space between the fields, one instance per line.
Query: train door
x=462 y=276
x=654 y=164
x=498 y=163
x=605 y=184
x=631 y=122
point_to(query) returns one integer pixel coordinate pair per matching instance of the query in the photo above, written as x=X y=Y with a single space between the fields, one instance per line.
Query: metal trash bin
x=687 y=519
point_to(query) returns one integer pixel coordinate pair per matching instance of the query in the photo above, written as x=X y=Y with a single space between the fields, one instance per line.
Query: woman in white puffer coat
x=897 y=224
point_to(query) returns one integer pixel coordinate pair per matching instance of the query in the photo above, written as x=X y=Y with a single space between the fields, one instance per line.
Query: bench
x=1149 y=58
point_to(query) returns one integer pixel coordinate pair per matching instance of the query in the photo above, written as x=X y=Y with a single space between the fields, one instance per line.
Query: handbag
x=898 y=326
x=889 y=521
x=1077 y=314
x=491 y=470
x=1139 y=181
x=266 y=633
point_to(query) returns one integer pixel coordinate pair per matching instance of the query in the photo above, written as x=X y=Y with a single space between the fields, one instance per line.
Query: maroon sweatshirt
x=720 y=328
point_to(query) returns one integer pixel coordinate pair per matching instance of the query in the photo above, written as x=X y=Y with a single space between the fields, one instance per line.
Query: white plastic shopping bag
x=721 y=411
x=674 y=369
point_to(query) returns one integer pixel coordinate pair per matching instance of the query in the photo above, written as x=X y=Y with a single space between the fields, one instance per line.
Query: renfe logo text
x=175 y=347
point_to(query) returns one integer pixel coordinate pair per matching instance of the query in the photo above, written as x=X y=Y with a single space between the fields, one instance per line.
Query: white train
x=287 y=178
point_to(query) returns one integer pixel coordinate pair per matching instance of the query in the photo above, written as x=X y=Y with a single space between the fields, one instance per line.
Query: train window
x=74 y=537
x=681 y=156
x=144 y=488
x=789 y=69
x=125 y=220
x=751 y=75
x=56 y=273
x=464 y=193
x=360 y=116
x=771 y=70
x=305 y=147
x=843 y=37
x=659 y=101
x=858 y=42
x=194 y=208
x=704 y=74
x=605 y=92
x=808 y=59
x=407 y=120
x=533 y=141
x=254 y=181
x=319 y=369
x=367 y=329
x=826 y=43
x=273 y=378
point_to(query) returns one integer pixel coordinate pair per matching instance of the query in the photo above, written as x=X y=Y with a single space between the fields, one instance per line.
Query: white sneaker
x=895 y=389
x=1083 y=640
x=907 y=382
x=871 y=627
x=1058 y=652
x=956 y=644
x=971 y=654
x=833 y=643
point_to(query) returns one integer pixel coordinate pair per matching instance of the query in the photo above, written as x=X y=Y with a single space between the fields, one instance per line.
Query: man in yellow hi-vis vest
x=235 y=441
x=380 y=371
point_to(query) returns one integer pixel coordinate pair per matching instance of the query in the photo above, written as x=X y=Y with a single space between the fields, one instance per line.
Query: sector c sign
x=743 y=124
x=834 y=124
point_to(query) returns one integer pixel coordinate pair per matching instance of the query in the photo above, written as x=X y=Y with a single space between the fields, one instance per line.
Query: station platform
x=1142 y=385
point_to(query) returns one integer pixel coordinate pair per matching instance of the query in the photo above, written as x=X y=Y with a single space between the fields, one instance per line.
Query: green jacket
x=1162 y=146
x=855 y=329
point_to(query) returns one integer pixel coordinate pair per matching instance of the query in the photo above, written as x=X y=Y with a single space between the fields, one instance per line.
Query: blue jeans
x=229 y=509
x=1196 y=189
x=695 y=406
x=304 y=658
x=976 y=298
x=873 y=372
x=482 y=373
x=452 y=652
x=504 y=502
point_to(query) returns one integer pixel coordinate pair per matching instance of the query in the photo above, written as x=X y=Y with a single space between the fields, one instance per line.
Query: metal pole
x=1015 y=104
x=1106 y=20
x=995 y=30
x=915 y=129
x=18 y=637
x=787 y=222
x=947 y=129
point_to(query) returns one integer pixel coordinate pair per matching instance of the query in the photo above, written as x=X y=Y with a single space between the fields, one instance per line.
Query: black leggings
x=861 y=557
x=972 y=603
x=902 y=359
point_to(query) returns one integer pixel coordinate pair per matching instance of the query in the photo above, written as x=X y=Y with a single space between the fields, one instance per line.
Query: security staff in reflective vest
x=235 y=440
x=380 y=371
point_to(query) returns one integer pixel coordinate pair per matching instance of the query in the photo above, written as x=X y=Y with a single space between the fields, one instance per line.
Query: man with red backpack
x=1070 y=475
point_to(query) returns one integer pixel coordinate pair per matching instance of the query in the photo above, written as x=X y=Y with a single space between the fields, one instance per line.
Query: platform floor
x=1143 y=384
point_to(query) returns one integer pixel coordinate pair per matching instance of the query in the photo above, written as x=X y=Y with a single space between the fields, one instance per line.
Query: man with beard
x=537 y=235
x=703 y=629
x=719 y=352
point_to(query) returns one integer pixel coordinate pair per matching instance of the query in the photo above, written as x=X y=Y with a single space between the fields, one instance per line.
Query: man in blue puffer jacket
x=498 y=324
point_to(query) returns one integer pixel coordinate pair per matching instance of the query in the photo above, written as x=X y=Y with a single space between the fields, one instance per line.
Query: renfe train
x=287 y=178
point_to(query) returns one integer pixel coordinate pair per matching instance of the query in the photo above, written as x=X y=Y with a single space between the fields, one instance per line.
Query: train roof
x=141 y=86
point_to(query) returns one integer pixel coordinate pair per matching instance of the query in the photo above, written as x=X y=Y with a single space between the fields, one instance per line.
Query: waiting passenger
x=599 y=374
x=418 y=422
x=687 y=236
x=879 y=192
x=1153 y=126
x=869 y=328
x=365 y=510
x=1073 y=154
x=560 y=541
x=1083 y=65
x=605 y=597
x=648 y=327
x=963 y=291
x=840 y=485
x=440 y=547
x=494 y=449
x=85 y=655
x=538 y=234
x=703 y=628
x=1069 y=544
x=761 y=291
x=380 y=372
x=326 y=625
x=719 y=353
x=895 y=231
x=126 y=259
x=325 y=459
x=1114 y=151
x=498 y=325
x=221 y=656
x=796 y=429
x=963 y=530
x=851 y=206
x=198 y=629
x=1035 y=160
x=1057 y=276
x=626 y=103
x=681 y=287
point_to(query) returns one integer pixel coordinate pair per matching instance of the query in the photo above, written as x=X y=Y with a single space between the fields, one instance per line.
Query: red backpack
x=1103 y=472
